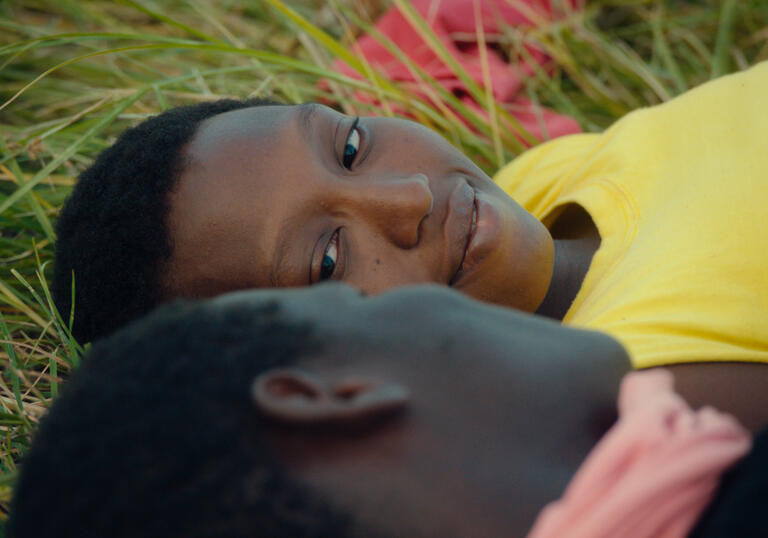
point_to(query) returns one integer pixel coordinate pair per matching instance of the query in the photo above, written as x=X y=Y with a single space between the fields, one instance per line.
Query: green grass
x=74 y=74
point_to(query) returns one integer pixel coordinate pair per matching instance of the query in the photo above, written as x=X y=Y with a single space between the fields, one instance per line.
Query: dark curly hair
x=112 y=235
x=156 y=435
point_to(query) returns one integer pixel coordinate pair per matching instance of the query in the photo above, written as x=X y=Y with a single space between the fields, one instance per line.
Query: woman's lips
x=482 y=238
x=472 y=228
x=457 y=228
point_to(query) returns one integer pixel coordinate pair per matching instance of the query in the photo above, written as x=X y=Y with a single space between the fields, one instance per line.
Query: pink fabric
x=448 y=19
x=653 y=473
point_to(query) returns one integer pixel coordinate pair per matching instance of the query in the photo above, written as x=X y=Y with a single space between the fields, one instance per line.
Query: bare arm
x=739 y=388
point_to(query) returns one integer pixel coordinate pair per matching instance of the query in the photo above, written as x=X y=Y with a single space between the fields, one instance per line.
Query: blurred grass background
x=75 y=73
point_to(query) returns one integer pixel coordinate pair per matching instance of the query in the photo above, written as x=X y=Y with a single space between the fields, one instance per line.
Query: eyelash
x=333 y=243
x=347 y=160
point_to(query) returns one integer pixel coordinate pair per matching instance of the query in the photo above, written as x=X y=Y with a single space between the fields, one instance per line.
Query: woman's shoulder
x=540 y=173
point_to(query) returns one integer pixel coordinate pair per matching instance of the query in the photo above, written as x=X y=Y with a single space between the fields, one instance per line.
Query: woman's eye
x=351 y=146
x=328 y=265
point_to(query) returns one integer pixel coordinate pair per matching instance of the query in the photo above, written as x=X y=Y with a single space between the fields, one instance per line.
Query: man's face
x=497 y=418
x=286 y=196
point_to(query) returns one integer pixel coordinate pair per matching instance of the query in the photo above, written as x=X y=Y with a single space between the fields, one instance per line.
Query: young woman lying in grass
x=649 y=231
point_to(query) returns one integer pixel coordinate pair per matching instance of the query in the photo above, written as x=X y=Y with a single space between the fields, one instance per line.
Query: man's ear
x=293 y=397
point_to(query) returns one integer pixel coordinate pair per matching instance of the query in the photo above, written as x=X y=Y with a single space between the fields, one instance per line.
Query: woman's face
x=294 y=195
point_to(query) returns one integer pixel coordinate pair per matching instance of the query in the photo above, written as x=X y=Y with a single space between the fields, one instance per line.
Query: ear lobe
x=290 y=396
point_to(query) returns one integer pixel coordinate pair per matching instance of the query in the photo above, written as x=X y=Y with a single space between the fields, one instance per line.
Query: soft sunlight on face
x=294 y=195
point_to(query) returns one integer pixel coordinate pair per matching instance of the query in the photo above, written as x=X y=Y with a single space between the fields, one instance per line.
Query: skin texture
x=738 y=388
x=439 y=436
x=265 y=189
x=576 y=240
x=466 y=432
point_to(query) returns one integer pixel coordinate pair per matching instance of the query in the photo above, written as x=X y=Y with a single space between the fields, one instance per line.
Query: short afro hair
x=112 y=233
x=156 y=435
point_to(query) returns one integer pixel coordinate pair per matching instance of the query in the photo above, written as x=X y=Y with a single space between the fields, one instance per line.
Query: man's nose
x=392 y=204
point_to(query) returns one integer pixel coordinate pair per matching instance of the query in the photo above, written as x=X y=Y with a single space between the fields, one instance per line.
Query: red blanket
x=453 y=22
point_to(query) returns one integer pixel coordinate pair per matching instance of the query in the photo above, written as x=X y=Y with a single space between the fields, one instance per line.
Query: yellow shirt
x=679 y=195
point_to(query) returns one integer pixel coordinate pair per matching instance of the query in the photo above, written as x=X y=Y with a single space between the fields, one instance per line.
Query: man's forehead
x=348 y=323
x=333 y=299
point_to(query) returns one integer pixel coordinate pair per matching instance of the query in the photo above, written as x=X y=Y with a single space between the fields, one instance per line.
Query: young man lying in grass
x=650 y=231
x=280 y=413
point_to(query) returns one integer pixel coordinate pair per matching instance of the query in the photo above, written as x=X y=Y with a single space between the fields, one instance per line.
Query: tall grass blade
x=722 y=53
x=490 y=101
x=14 y=362
x=172 y=22
x=660 y=42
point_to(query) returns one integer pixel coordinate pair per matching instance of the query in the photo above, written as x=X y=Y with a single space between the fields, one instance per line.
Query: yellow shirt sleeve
x=679 y=194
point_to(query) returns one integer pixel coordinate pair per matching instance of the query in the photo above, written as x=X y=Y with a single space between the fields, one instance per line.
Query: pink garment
x=453 y=22
x=653 y=473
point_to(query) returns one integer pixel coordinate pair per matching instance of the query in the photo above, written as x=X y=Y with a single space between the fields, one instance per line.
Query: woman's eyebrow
x=281 y=257
x=276 y=270
x=305 y=119
x=305 y=116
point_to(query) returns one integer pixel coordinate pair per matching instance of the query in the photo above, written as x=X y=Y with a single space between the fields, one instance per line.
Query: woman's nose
x=392 y=204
